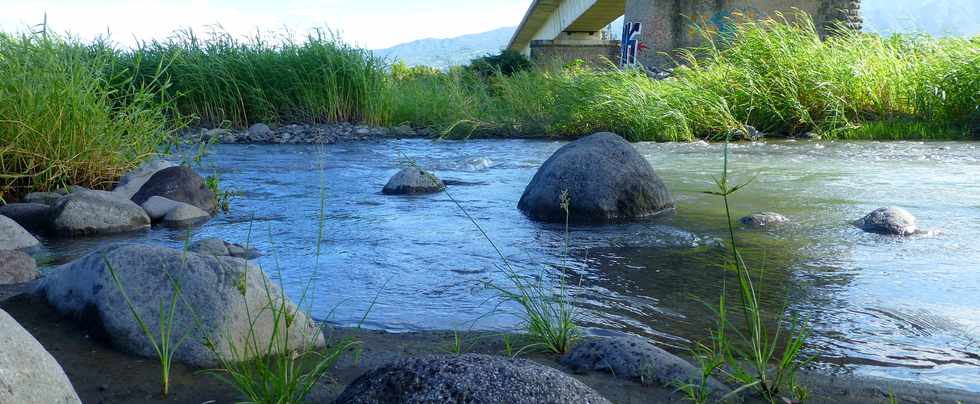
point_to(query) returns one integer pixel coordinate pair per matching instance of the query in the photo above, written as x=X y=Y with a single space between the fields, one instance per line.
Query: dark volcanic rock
x=179 y=184
x=469 y=378
x=35 y=217
x=413 y=180
x=890 y=220
x=606 y=179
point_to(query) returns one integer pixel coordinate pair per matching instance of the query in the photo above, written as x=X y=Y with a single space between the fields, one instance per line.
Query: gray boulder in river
x=638 y=359
x=413 y=180
x=764 y=219
x=468 y=378
x=14 y=237
x=34 y=217
x=130 y=183
x=218 y=294
x=86 y=213
x=28 y=373
x=173 y=213
x=17 y=267
x=220 y=248
x=45 y=198
x=606 y=179
x=888 y=220
x=179 y=184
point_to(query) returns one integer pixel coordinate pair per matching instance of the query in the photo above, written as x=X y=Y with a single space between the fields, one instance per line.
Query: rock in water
x=179 y=184
x=130 y=183
x=218 y=294
x=413 y=180
x=260 y=133
x=17 y=267
x=14 y=237
x=638 y=359
x=889 y=220
x=606 y=179
x=185 y=215
x=220 y=248
x=763 y=219
x=45 y=198
x=35 y=217
x=468 y=378
x=28 y=373
x=157 y=207
x=85 y=213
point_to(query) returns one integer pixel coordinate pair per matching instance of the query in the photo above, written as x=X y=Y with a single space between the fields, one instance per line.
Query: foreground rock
x=606 y=179
x=28 y=373
x=86 y=213
x=889 y=220
x=173 y=213
x=218 y=296
x=637 y=359
x=469 y=378
x=14 y=237
x=764 y=219
x=179 y=184
x=17 y=267
x=220 y=248
x=130 y=183
x=34 y=217
x=413 y=180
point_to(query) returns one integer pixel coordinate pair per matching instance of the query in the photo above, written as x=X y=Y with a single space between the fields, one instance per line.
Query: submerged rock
x=17 y=267
x=636 y=358
x=85 y=213
x=130 y=183
x=218 y=295
x=468 y=378
x=14 y=237
x=888 y=220
x=413 y=180
x=179 y=184
x=35 y=217
x=28 y=373
x=45 y=198
x=764 y=219
x=220 y=248
x=606 y=179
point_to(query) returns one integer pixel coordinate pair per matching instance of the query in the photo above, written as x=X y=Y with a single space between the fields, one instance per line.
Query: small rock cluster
x=261 y=133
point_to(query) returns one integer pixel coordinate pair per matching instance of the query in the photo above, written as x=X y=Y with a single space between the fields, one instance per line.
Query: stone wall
x=596 y=53
x=667 y=25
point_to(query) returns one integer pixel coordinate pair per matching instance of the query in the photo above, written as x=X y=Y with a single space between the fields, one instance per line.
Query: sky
x=369 y=23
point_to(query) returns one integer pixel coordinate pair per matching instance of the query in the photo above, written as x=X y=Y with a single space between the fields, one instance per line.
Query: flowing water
x=897 y=307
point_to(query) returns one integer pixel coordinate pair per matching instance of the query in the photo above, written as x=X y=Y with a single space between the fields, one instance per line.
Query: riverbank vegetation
x=74 y=113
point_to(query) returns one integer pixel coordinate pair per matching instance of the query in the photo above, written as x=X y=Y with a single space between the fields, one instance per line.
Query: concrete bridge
x=573 y=29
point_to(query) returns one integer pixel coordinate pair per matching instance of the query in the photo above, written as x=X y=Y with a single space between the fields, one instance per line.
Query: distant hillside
x=447 y=52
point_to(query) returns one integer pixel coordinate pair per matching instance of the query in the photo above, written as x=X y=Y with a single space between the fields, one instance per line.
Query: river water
x=905 y=308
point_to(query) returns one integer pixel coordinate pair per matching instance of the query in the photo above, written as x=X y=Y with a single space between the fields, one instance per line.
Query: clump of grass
x=70 y=116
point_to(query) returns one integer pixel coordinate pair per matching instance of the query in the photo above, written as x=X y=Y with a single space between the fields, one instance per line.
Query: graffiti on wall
x=631 y=45
x=723 y=21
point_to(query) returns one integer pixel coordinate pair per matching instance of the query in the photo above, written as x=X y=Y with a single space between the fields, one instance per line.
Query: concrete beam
x=549 y=19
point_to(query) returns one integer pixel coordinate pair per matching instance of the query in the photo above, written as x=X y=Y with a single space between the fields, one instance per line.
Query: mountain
x=442 y=53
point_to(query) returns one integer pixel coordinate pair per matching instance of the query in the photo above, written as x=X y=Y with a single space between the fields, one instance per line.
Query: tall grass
x=70 y=116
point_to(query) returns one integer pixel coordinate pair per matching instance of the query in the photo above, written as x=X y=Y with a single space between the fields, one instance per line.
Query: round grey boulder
x=764 y=219
x=34 y=217
x=45 y=198
x=87 y=213
x=157 y=207
x=638 y=359
x=413 y=180
x=14 y=237
x=179 y=184
x=224 y=303
x=220 y=248
x=130 y=183
x=28 y=373
x=468 y=378
x=605 y=179
x=17 y=267
x=888 y=220
x=185 y=215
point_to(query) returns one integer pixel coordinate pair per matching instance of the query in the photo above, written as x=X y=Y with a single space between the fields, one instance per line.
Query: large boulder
x=130 y=183
x=469 y=378
x=605 y=178
x=889 y=220
x=35 y=217
x=86 y=212
x=44 y=198
x=220 y=248
x=638 y=359
x=219 y=296
x=413 y=180
x=17 y=267
x=179 y=184
x=28 y=373
x=14 y=237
